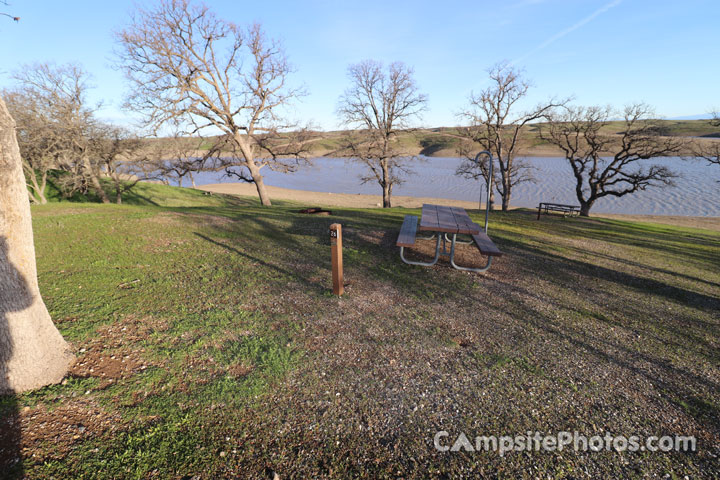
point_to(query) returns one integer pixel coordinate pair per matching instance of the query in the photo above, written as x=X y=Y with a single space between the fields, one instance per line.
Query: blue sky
x=662 y=52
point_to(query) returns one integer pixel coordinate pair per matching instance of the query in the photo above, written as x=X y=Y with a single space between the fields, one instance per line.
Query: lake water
x=697 y=191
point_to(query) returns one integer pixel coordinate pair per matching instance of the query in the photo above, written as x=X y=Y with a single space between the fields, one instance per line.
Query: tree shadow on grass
x=133 y=197
x=681 y=386
x=631 y=263
x=313 y=286
x=685 y=246
x=303 y=241
x=566 y=267
x=565 y=271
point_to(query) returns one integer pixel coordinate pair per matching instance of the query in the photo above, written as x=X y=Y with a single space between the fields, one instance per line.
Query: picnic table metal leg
x=466 y=269
x=423 y=264
x=464 y=242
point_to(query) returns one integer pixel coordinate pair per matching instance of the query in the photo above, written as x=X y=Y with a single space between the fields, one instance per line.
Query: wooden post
x=337 y=260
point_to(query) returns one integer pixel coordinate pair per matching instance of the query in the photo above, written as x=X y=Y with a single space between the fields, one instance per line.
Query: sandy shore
x=323 y=199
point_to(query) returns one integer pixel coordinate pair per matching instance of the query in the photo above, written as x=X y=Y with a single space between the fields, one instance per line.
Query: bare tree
x=611 y=165
x=32 y=351
x=380 y=104
x=493 y=124
x=39 y=139
x=187 y=67
x=122 y=158
x=59 y=95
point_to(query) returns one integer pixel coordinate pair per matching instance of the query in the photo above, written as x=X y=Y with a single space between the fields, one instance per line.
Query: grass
x=144 y=193
x=208 y=344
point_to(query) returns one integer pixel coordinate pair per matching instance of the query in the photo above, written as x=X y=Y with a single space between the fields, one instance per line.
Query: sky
x=662 y=52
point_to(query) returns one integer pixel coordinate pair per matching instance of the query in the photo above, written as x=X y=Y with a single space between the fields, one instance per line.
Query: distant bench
x=558 y=207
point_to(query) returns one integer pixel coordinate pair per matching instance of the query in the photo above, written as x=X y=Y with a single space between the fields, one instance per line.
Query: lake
x=696 y=193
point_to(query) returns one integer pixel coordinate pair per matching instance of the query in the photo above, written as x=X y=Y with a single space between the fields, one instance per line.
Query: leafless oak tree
x=122 y=158
x=611 y=165
x=493 y=124
x=189 y=68
x=38 y=137
x=58 y=124
x=53 y=122
x=380 y=103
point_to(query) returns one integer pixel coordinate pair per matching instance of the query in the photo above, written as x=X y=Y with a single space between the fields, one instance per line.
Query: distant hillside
x=444 y=141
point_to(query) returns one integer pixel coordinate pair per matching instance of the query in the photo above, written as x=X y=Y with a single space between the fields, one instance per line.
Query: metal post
x=489 y=183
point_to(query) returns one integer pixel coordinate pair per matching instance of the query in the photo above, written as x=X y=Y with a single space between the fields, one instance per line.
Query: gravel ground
x=599 y=338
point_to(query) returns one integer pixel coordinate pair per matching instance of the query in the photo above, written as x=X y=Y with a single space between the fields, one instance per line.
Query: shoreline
x=325 y=199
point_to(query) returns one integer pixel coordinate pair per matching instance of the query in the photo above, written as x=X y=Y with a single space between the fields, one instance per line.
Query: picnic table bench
x=443 y=221
x=558 y=207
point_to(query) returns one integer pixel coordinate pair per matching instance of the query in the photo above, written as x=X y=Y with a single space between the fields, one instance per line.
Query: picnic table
x=445 y=224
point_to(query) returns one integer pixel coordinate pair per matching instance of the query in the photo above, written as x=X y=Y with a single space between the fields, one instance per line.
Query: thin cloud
x=568 y=30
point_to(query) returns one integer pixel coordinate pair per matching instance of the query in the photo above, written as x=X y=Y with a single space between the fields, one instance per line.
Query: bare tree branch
x=493 y=125
x=187 y=67
x=57 y=128
x=122 y=159
x=611 y=165
x=380 y=103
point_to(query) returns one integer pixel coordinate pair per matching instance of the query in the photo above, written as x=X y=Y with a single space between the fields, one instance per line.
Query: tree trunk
x=37 y=190
x=386 y=185
x=95 y=181
x=585 y=208
x=43 y=185
x=257 y=178
x=506 y=198
x=32 y=351
x=259 y=183
x=192 y=180
x=387 y=196
x=118 y=197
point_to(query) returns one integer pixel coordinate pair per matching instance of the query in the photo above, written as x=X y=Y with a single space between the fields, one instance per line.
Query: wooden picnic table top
x=439 y=218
